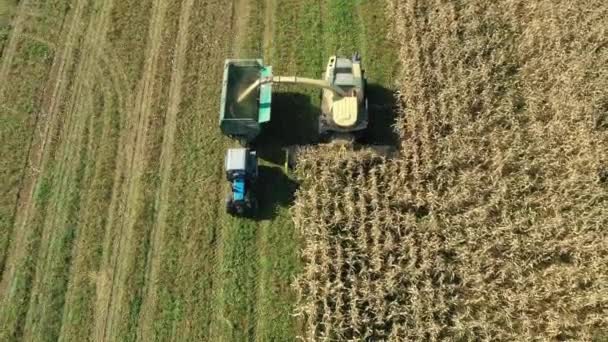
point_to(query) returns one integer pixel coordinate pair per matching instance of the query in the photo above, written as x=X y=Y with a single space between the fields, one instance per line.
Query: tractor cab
x=241 y=172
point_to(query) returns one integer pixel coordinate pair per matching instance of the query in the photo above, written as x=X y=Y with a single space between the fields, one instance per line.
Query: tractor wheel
x=254 y=206
x=230 y=207
x=239 y=210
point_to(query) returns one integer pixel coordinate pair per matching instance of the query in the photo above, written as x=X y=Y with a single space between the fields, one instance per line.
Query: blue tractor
x=242 y=173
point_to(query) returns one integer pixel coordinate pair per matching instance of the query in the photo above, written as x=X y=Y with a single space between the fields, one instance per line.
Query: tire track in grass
x=46 y=123
x=152 y=180
x=54 y=259
x=105 y=105
x=140 y=227
x=8 y=54
x=150 y=306
x=113 y=227
x=196 y=203
x=90 y=283
x=48 y=299
x=80 y=298
x=34 y=194
x=127 y=45
x=123 y=302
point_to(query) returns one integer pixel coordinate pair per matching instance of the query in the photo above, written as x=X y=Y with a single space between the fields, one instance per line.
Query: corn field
x=491 y=224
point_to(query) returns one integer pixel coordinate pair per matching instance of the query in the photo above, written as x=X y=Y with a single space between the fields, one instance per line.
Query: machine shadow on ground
x=382 y=113
x=295 y=123
x=274 y=190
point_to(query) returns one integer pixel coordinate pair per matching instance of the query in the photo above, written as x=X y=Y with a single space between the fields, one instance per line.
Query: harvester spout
x=293 y=80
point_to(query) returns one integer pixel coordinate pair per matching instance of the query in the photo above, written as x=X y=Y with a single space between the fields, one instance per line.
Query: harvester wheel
x=337 y=138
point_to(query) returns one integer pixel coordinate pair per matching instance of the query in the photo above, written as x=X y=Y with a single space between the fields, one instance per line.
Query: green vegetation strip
x=188 y=275
x=238 y=274
x=14 y=309
x=79 y=308
x=20 y=105
x=254 y=39
x=7 y=10
x=48 y=293
x=28 y=72
x=340 y=26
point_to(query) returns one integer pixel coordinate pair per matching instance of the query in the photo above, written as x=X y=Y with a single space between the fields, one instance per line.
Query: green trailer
x=243 y=120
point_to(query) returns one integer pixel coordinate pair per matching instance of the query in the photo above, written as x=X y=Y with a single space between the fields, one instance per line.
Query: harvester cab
x=344 y=115
x=242 y=173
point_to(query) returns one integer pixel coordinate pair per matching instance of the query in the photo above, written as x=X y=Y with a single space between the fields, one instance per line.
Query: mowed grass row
x=87 y=282
x=26 y=109
x=7 y=10
x=129 y=260
x=187 y=277
x=77 y=183
x=20 y=106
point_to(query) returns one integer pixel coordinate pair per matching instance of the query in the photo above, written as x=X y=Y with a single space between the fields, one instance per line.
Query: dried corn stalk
x=493 y=223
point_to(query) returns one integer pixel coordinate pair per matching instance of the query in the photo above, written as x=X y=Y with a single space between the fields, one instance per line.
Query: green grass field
x=112 y=213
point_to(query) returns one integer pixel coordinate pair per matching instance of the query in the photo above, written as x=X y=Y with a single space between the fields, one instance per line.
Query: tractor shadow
x=274 y=190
